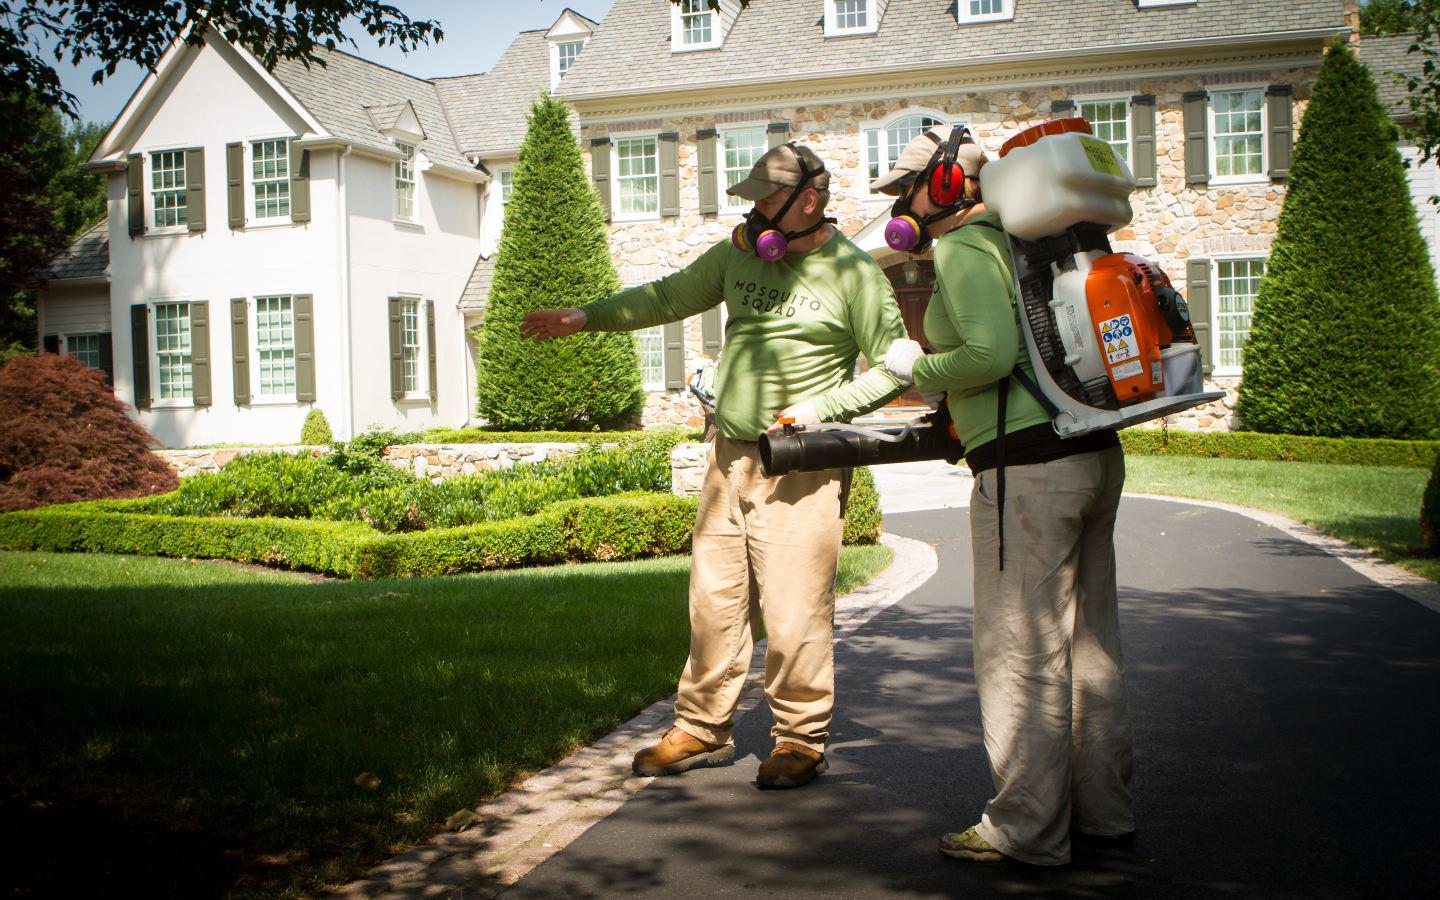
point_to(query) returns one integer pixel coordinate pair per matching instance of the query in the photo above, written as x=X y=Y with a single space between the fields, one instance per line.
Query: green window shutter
x=50 y=343
x=299 y=184
x=669 y=173
x=107 y=356
x=1281 y=113
x=600 y=171
x=140 y=353
x=135 y=193
x=235 y=183
x=240 y=349
x=195 y=188
x=1197 y=137
x=1060 y=109
x=705 y=156
x=674 y=357
x=430 y=349
x=1197 y=295
x=200 y=352
x=304 y=307
x=711 y=334
x=397 y=351
x=1142 y=139
x=777 y=133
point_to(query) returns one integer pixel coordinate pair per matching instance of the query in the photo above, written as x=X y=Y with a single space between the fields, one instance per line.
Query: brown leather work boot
x=679 y=751
x=790 y=766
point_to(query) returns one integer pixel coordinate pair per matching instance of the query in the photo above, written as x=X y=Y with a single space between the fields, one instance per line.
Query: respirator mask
x=761 y=235
x=944 y=180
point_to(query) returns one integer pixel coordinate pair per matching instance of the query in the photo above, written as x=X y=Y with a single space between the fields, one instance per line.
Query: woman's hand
x=552 y=323
x=802 y=413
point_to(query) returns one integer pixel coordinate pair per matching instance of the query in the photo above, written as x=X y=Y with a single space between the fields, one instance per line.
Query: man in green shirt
x=796 y=326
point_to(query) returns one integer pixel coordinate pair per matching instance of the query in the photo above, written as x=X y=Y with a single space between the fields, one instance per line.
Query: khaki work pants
x=1047 y=656
x=763 y=547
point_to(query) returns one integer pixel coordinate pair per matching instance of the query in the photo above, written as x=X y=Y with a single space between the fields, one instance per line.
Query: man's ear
x=810 y=201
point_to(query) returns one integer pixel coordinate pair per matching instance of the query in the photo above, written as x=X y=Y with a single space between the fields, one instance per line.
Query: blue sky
x=476 y=33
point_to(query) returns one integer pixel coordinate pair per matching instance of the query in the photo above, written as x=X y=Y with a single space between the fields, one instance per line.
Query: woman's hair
x=972 y=185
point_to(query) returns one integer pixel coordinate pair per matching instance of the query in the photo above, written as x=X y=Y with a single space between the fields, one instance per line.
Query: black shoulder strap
x=1050 y=408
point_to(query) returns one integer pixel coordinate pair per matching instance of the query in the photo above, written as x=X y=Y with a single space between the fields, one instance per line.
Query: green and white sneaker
x=968 y=844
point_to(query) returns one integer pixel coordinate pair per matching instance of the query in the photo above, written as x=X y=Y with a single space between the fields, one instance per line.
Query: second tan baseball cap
x=778 y=169
x=917 y=155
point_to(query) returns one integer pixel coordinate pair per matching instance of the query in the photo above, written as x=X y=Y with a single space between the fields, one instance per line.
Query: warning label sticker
x=1118 y=337
x=1127 y=370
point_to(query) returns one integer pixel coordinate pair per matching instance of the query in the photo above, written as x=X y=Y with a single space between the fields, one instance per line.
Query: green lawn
x=185 y=727
x=1372 y=507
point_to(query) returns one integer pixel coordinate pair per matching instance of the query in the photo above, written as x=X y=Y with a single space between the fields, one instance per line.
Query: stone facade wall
x=1173 y=221
x=433 y=461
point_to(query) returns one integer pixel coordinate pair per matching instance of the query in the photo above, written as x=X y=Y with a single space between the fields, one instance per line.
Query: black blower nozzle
x=797 y=449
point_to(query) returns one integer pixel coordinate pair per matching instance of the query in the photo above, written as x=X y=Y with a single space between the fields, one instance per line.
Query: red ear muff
x=947 y=191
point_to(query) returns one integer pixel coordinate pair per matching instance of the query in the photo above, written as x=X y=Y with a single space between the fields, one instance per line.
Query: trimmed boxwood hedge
x=1281 y=447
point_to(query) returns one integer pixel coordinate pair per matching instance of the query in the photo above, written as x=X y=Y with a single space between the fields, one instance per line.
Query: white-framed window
x=885 y=140
x=739 y=149
x=850 y=17
x=167 y=190
x=566 y=52
x=274 y=340
x=412 y=347
x=984 y=10
x=1237 y=283
x=693 y=26
x=1109 y=118
x=85 y=348
x=1237 y=135
x=270 y=178
x=650 y=353
x=405 y=182
x=637 y=177
x=505 y=178
x=173 y=377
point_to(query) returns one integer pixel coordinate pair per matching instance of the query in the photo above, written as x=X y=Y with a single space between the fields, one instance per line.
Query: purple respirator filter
x=770 y=246
x=902 y=233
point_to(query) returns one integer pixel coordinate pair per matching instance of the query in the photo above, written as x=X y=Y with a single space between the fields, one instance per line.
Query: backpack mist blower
x=1108 y=336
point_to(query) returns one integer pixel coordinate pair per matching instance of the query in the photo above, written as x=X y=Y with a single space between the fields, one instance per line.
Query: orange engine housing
x=1127 y=297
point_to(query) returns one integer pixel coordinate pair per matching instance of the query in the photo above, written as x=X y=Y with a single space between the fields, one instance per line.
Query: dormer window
x=984 y=10
x=567 y=39
x=694 y=25
x=845 y=17
x=565 y=53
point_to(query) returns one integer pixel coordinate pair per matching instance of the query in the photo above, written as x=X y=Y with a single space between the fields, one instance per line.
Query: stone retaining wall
x=433 y=461
x=688 y=464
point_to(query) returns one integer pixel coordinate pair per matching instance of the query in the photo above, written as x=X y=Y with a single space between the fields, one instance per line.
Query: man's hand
x=552 y=323
x=900 y=359
x=802 y=413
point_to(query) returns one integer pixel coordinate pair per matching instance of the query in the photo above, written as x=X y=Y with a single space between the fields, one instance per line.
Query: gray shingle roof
x=1386 y=54
x=477 y=289
x=87 y=256
x=489 y=110
x=632 y=53
x=338 y=93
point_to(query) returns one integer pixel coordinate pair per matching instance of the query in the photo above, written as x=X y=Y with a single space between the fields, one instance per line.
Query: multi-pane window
x=1239 y=132
x=883 y=146
x=638 y=175
x=506 y=178
x=1237 y=282
x=172 y=351
x=1110 y=120
x=270 y=177
x=167 y=189
x=410 y=344
x=84 y=347
x=275 y=345
x=650 y=351
x=567 y=51
x=696 y=23
x=405 y=182
x=851 y=15
x=982 y=9
x=742 y=147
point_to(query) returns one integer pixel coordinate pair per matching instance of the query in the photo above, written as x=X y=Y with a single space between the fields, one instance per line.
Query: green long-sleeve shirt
x=974 y=327
x=796 y=327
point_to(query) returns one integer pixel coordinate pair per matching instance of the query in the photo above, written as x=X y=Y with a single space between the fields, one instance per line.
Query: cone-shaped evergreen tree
x=554 y=253
x=1345 y=335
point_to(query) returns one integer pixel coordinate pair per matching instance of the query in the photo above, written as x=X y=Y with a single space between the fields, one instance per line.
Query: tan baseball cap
x=778 y=169
x=917 y=155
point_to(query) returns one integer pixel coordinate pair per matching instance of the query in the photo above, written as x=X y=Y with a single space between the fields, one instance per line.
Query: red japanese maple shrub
x=65 y=437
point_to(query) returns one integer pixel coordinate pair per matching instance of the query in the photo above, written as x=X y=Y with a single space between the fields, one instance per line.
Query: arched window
x=884 y=141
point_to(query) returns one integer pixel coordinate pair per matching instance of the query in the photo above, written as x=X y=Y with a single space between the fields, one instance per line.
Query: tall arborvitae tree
x=1345 y=336
x=554 y=253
